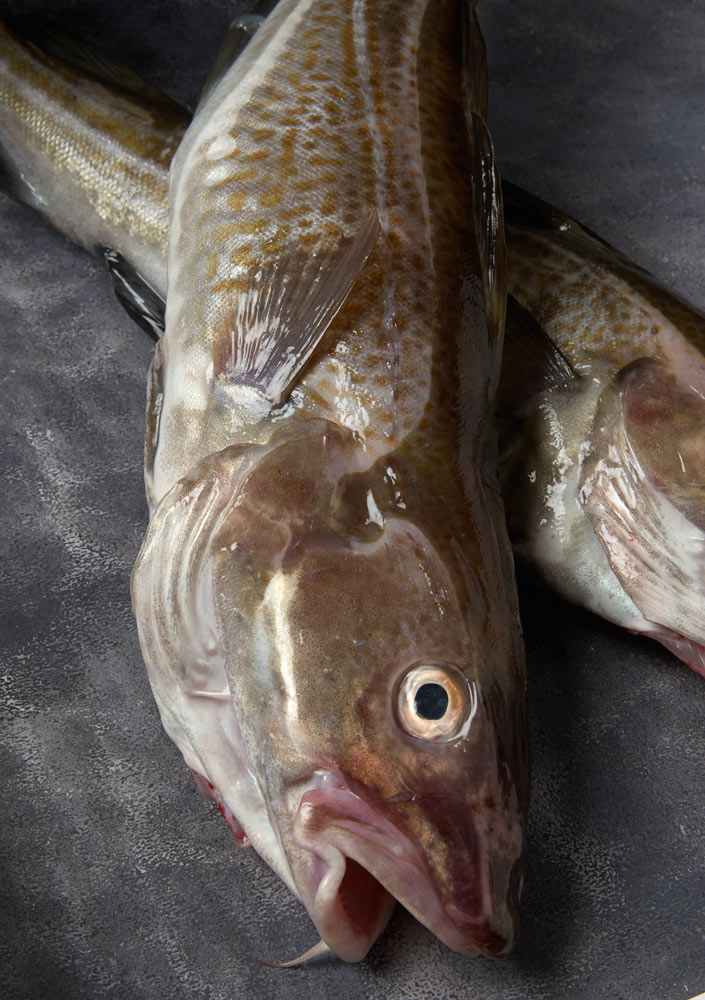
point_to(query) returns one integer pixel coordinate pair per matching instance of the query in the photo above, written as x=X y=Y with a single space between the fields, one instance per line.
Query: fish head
x=389 y=755
x=642 y=485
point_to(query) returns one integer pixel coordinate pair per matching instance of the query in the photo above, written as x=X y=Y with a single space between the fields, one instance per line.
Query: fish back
x=332 y=112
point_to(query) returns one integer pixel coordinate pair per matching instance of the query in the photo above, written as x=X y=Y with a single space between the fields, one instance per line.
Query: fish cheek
x=449 y=801
x=362 y=614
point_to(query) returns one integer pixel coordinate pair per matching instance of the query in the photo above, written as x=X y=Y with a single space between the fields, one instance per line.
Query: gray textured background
x=116 y=878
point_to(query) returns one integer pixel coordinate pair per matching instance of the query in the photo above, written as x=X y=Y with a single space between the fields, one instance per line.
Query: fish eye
x=436 y=702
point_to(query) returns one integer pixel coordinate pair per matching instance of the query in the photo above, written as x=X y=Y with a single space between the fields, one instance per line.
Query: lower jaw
x=358 y=864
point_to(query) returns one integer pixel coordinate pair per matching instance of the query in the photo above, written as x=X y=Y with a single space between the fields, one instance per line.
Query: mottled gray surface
x=116 y=877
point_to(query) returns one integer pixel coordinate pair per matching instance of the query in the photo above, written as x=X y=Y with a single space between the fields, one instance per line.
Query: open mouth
x=349 y=906
x=363 y=900
x=358 y=864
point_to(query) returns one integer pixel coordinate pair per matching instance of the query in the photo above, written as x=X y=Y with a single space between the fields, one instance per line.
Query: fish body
x=325 y=596
x=87 y=144
x=604 y=462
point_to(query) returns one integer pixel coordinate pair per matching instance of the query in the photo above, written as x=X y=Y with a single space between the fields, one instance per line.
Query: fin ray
x=281 y=317
x=489 y=227
x=526 y=211
x=532 y=362
x=475 y=80
x=654 y=549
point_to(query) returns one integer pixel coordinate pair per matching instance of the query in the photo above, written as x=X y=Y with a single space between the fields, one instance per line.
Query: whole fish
x=325 y=595
x=74 y=100
x=603 y=408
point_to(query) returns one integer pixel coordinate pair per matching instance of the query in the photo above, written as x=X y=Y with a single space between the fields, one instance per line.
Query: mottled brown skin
x=613 y=321
x=605 y=311
x=281 y=515
x=327 y=145
x=603 y=460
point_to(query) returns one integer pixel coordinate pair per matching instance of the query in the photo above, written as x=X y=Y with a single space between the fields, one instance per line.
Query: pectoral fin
x=141 y=302
x=531 y=363
x=282 y=314
x=656 y=549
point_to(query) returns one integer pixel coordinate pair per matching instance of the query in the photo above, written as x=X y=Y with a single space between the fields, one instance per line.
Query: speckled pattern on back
x=340 y=121
x=590 y=311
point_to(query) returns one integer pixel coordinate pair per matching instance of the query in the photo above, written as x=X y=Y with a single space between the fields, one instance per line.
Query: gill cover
x=172 y=598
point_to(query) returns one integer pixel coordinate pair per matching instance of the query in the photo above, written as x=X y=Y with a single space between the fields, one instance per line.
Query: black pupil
x=431 y=701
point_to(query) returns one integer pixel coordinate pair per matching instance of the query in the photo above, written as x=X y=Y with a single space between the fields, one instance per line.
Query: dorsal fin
x=240 y=33
x=526 y=211
x=282 y=313
x=475 y=86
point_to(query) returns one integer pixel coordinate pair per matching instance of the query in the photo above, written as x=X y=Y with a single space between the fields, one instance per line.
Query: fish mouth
x=359 y=863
